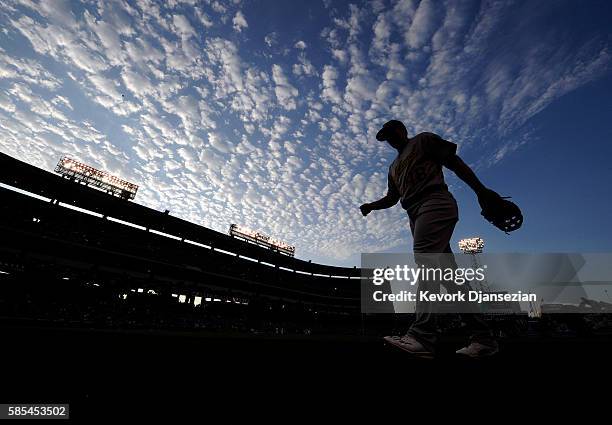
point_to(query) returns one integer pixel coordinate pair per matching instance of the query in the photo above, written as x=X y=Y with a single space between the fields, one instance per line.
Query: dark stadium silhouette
x=76 y=255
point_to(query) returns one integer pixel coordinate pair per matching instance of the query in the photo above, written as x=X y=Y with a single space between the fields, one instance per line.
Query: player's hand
x=487 y=197
x=365 y=209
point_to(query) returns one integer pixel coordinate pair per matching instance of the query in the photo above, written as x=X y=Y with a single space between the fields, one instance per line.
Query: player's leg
x=432 y=225
x=433 y=228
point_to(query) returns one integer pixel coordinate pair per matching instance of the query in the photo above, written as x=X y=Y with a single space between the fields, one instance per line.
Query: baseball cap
x=388 y=127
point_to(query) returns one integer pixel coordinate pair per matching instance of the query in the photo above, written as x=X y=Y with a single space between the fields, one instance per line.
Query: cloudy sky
x=263 y=113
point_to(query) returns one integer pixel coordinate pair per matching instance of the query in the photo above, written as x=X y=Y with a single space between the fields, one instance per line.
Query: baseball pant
x=432 y=222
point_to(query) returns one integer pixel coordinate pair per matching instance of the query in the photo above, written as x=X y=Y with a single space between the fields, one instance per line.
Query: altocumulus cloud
x=222 y=123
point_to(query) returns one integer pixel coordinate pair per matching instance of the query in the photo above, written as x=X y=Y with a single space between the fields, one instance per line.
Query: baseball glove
x=501 y=213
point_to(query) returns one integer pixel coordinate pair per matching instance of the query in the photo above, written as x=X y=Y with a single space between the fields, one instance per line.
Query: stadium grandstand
x=71 y=253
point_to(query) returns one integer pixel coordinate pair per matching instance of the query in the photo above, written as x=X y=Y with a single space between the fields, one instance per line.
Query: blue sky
x=263 y=113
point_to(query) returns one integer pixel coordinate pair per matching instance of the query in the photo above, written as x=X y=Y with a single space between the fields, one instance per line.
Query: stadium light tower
x=473 y=246
x=261 y=240
x=91 y=176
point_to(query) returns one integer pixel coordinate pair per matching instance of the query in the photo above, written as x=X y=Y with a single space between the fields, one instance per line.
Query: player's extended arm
x=503 y=214
x=387 y=201
x=465 y=173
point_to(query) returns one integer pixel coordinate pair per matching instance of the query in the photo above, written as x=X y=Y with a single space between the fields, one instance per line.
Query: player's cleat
x=478 y=350
x=410 y=345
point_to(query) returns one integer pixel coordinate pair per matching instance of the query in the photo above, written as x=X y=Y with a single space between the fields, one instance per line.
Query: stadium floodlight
x=91 y=176
x=261 y=240
x=471 y=245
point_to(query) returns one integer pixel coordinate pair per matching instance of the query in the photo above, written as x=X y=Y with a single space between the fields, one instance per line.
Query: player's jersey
x=418 y=167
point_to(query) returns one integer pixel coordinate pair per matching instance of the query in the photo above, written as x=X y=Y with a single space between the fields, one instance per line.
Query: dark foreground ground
x=110 y=374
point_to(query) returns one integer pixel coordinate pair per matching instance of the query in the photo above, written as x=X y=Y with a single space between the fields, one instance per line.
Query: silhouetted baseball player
x=416 y=180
